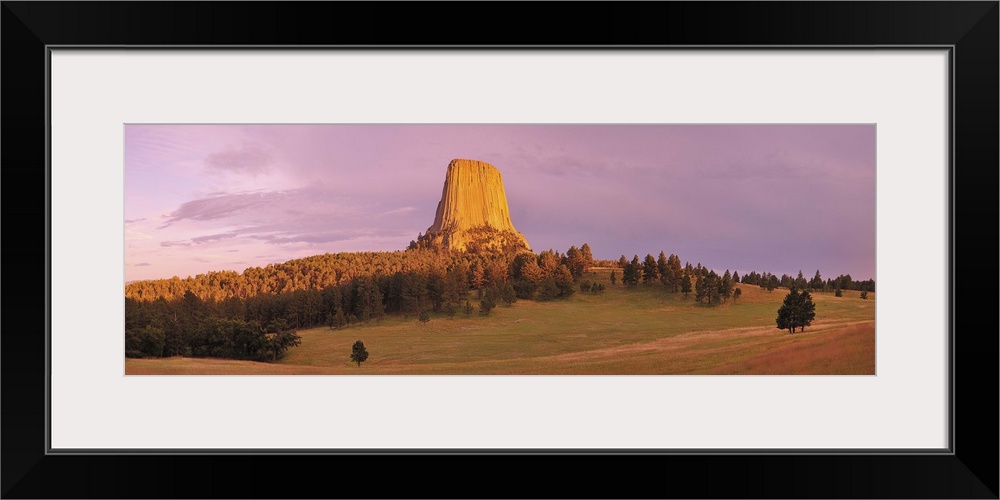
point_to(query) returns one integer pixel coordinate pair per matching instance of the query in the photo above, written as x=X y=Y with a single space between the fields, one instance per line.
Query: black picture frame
x=970 y=29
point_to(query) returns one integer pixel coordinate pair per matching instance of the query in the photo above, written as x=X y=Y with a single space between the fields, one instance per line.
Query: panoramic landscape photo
x=499 y=249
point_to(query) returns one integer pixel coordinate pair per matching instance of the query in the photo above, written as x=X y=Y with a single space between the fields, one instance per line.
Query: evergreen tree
x=800 y=281
x=663 y=270
x=686 y=284
x=574 y=261
x=587 y=257
x=548 y=261
x=817 y=282
x=487 y=300
x=548 y=290
x=358 y=352
x=564 y=281
x=796 y=311
x=772 y=283
x=699 y=289
x=635 y=271
x=786 y=281
x=713 y=284
x=337 y=320
x=649 y=271
x=726 y=286
x=674 y=271
x=507 y=294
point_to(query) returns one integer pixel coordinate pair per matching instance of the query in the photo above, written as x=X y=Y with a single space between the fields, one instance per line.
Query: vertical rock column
x=473 y=198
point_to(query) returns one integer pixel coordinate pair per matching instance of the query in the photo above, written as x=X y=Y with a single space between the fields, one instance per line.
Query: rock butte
x=473 y=210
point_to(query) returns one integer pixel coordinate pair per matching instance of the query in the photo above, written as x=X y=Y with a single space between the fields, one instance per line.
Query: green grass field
x=642 y=330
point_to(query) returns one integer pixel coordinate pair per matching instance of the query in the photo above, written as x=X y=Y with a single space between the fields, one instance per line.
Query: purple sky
x=776 y=198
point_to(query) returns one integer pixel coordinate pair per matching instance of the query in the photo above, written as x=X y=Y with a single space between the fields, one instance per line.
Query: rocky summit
x=473 y=214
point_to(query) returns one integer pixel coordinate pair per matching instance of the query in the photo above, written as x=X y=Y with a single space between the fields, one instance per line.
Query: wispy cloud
x=250 y=159
x=175 y=243
x=133 y=221
x=213 y=237
x=401 y=211
x=132 y=234
x=142 y=264
x=218 y=207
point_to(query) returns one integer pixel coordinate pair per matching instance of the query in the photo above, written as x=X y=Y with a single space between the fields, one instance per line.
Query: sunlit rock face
x=473 y=214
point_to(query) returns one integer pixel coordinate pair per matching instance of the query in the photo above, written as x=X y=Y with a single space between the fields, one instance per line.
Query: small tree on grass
x=424 y=316
x=796 y=311
x=614 y=278
x=736 y=294
x=864 y=295
x=838 y=293
x=468 y=308
x=358 y=353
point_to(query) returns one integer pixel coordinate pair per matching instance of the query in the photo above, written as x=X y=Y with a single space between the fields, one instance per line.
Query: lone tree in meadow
x=797 y=311
x=358 y=353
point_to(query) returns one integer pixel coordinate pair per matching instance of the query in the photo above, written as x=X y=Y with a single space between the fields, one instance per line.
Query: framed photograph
x=254 y=162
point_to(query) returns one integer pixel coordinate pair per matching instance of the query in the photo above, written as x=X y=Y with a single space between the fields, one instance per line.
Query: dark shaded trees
x=632 y=272
x=796 y=311
x=817 y=282
x=564 y=281
x=686 y=284
x=507 y=294
x=358 y=353
x=699 y=289
x=672 y=278
x=800 y=281
x=649 y=270
x=713 y=287
x=487 y=300
x=726 y=286
x=662 y=269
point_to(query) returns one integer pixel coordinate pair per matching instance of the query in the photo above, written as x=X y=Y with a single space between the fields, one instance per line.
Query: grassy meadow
x=627 y=331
